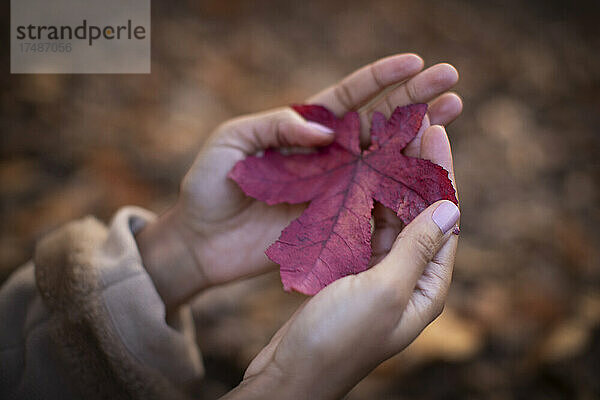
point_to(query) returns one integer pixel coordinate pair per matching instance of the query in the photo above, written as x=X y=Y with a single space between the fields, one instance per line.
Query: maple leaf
x=332 y=237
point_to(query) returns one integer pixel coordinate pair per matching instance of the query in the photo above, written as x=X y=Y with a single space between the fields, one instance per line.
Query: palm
x=220 y=214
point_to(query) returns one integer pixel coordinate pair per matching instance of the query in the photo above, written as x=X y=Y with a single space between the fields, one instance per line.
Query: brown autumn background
x=523 y=316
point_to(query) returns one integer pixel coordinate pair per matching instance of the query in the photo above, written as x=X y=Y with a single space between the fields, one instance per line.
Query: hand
x=216 y=234
x=337 y=337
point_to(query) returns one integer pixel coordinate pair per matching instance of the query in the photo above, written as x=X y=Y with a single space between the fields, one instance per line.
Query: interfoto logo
x=80 y=36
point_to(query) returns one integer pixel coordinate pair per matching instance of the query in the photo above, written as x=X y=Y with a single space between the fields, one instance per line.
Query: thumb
x=417 y=245
x=281 y=127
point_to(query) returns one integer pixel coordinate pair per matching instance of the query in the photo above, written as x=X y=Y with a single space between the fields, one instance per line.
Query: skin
x=371 y=316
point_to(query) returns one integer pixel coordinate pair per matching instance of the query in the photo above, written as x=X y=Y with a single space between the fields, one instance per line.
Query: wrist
x=168 y=259
x=270 y=383
x=273 y=383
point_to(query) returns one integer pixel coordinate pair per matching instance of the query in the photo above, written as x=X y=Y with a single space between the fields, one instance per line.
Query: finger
x=431 y=143
x=413 y=149
x=421 y=88
x=445 y=109
x=432 y=287
x=278 y=128
x=435 y=147
x=362 y=85
x=416 y=246
x=427 y=300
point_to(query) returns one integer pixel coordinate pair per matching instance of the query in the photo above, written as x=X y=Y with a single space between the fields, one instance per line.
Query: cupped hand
x=338 y=336
x=220 y=215
x=216 y=234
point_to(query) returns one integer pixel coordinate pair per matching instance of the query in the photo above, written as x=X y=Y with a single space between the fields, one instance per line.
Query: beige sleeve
x=85 y=321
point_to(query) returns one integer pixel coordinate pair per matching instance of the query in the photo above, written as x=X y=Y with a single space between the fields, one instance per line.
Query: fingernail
x=446 y=216
x=319 y=127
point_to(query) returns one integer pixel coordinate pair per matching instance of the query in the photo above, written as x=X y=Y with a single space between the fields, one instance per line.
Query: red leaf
x=332 y=237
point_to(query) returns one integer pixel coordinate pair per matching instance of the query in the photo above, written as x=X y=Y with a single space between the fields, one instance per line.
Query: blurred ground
x=523 y=319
